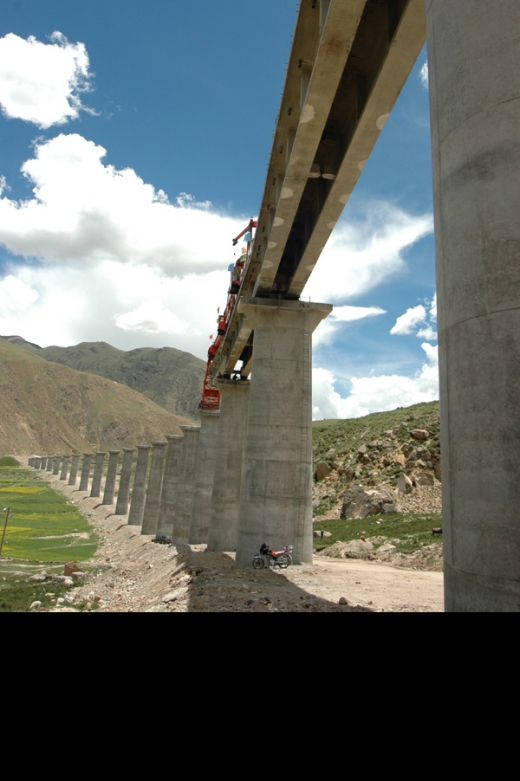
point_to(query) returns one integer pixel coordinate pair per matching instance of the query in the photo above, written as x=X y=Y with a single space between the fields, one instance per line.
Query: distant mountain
x=169 y=377
x=20 y=341
x=48 y=408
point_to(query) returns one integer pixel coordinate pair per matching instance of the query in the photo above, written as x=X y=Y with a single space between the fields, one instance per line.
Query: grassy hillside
x=49 y=408
x=169 y=377
x=373 y=450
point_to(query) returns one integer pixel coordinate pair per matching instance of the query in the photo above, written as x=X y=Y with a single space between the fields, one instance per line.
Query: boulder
x=419 y=433
x=322 y=470
x=358 y=503
x=71 y=567
x=423 y=478
x=404 y=485
x=438 y=470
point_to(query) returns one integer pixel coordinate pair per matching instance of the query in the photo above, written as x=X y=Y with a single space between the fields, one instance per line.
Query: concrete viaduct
x=348 y=63
x=245 y=476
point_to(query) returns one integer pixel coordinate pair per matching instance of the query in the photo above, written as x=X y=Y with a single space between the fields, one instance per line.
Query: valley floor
x=133 y=574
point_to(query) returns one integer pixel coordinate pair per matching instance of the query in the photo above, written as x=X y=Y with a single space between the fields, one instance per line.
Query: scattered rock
x=423 y=478
x=358 y=503
x=35 y=605
x=71 y=567
x=419 y=433
x=404 y=484
x=342 y=601
x=322 y=470
x=177 y=594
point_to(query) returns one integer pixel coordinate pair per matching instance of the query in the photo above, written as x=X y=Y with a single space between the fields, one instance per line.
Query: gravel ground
x=131 y=573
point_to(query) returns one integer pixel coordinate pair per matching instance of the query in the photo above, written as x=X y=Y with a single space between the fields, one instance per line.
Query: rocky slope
x=169 y=377
x=389 y=454
x=48 y=408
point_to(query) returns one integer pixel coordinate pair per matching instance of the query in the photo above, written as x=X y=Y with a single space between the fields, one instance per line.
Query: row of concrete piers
x=244 y=476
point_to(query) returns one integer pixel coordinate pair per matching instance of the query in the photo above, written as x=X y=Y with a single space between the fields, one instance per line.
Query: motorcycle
x=271 y=558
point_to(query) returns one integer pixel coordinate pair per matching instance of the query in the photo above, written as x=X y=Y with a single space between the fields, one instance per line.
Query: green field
x=42 y=525
x=409 y=532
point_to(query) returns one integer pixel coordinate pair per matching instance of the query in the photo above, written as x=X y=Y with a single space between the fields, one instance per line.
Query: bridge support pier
x=124 y=481
x=170 y=486
x=474 y=63
x=98 y=474
x=225 y=500
x=110 y=483
x=135 y=516
x=153 y=491
x=74 y=469
x=85 y=472
x=203 y=488
x=56 y=465
x=276 y=489
x=64 y=468
x=181 y=524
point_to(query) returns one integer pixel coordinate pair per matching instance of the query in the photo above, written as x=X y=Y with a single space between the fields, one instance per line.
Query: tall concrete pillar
x=170 y=485
x=98 y=474
x=110 y=482
x=43 y=462
x=56 y=467
x=50 y=463
x=135 y=516
x=205 y=472
x=74 y=469
x=36 y=462
x=181 y=524
x=124 y=481
x=276 y=490
x=153 y=491
x=474 y=75
x=85 y=471
x=64 y=468
x=225 y=501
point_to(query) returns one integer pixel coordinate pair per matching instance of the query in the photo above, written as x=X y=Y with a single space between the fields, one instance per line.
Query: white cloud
x=342 y=314
x=428 y=333
x=82 y=210
x=126 y=306
x=42 y=83
x=377 y=393
x=433 y=309
x=15 y=296
x=364 y=253
x=152 y=317
x=406 y=323
x=423 y=75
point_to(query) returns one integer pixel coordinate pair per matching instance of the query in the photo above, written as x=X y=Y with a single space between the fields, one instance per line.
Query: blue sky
x=134 y=142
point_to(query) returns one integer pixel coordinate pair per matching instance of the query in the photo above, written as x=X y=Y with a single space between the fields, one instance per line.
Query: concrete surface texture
x=85 y=471
x=181 y=524
x=203 y=487
x=474 y=74
x=123 y=492
x=56 y=465
x=275 y=500
x=153 y=491
x=170 y=484
x=65 y=468
x=98 y=474
x=135 y=516
x=110 y=482
x=43 y=462
x=74 y=469
x=50 y=463
x=225 y=501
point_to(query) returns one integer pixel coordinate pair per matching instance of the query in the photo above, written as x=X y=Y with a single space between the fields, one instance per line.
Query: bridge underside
x=348 y=64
